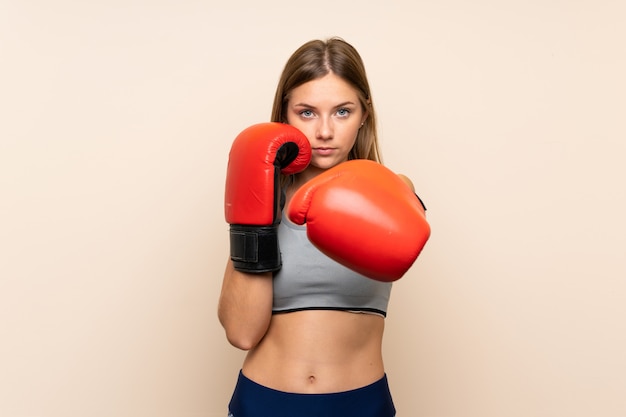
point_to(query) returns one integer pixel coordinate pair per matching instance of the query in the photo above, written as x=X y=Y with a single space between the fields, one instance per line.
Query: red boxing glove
x=253 y=199
x=363 y=216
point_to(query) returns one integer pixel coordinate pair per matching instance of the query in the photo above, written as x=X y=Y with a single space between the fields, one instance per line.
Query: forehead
x=329 y=89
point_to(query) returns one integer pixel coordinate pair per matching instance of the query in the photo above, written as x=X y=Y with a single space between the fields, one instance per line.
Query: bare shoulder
x=408 y=181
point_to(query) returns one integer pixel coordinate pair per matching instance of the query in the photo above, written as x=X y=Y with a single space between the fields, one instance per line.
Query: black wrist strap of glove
x=255 y=249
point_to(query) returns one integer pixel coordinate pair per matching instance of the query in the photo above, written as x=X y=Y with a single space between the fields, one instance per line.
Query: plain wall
x=116 y=118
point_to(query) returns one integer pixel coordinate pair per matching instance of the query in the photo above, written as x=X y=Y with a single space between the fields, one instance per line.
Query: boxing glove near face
x=252 y=202
x=362 y=215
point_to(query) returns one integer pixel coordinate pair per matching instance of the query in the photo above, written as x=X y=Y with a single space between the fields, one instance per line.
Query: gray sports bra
x=310 y=280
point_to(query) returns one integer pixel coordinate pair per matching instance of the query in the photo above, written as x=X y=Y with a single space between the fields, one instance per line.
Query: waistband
x=251 y=399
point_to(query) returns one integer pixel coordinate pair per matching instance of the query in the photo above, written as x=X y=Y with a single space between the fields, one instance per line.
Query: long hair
x=318 y=58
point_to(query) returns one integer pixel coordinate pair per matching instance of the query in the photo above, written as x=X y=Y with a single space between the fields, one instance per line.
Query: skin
x=328 y=112
x=312 y=351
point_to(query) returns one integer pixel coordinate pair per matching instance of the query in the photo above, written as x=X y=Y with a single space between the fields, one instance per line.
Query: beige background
x=116 y=118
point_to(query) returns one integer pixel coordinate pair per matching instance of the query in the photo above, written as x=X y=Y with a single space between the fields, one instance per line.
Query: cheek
x=350 y=133
x=302 y=127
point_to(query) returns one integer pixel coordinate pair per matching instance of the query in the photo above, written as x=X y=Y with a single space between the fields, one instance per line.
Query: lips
x=323 y=151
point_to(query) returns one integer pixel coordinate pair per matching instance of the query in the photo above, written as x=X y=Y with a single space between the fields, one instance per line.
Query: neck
x=306 y=175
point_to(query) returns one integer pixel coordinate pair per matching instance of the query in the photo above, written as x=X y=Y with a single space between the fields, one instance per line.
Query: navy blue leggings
x=254 y=400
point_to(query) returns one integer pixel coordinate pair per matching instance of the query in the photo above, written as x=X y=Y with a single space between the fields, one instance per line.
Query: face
x=327 y=110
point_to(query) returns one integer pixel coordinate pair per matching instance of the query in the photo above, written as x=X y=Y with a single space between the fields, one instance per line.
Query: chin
x=327 y=163
x=324 y=165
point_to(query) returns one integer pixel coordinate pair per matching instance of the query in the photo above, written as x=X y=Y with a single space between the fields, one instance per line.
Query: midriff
x=318 y=351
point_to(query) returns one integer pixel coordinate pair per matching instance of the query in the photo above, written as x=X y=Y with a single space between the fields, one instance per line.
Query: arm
x=252 y=208
x=245 y=306
x=363 y=216
x=408 y=182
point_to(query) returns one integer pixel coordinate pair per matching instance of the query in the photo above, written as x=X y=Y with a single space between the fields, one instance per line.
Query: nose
x=325 y=128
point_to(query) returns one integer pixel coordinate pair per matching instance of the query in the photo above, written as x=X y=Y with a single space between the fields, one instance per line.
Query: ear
x=366 y=110
x=365 y=116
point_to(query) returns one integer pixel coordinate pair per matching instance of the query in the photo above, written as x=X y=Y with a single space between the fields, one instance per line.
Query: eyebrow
x=313 y=107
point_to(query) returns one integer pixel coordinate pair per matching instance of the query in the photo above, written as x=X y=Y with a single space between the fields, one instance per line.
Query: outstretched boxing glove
x=363 y=216
x=253 y=198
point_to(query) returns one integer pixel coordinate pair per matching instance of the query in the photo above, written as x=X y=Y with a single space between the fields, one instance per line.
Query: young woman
x=313 y=328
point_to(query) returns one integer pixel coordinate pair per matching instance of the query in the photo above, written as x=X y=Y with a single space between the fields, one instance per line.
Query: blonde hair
x=318 y=58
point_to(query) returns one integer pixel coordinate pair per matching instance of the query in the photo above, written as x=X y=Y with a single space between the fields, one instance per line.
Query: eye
x=343 y=112
x=306 y=113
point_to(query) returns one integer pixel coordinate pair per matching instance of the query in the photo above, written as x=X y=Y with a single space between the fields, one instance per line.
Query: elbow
x=244 y=336
x=242 y=339
x=241 y=342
